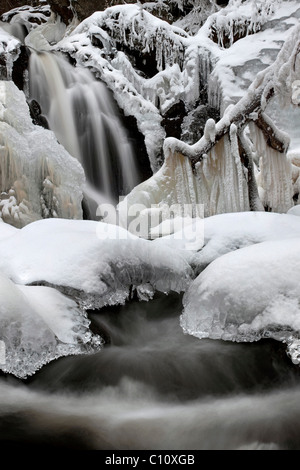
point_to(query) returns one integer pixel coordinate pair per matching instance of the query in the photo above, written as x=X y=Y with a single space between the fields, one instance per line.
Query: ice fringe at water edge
x=38 y=325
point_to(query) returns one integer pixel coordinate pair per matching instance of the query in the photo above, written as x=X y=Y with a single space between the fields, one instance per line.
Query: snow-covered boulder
x=248 y=294
x=96 y=262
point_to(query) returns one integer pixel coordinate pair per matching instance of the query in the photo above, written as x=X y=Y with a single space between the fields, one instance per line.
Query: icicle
x=275 y=174
x=218 y=182
x=210 y=130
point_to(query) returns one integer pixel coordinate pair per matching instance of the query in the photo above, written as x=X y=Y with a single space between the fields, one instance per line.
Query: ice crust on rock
x=38 y=325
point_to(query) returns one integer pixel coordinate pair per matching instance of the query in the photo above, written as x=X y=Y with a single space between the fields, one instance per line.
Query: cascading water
x=81 y=113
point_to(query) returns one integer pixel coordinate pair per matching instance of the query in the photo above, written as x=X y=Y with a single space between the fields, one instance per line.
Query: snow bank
x=248 y=294
x=38 y=178
x=96 y=262
x=38 y=325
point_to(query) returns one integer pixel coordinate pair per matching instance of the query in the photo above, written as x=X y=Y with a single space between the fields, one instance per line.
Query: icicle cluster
x=240 y=19
x=222 y=184
x=275 y=177
x=218 y=182
x=137 y=29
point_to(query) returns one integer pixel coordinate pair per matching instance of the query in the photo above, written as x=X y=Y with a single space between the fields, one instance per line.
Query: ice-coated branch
x=278 y=77
x=238 y=115
x=274 y=137
x=246 y=155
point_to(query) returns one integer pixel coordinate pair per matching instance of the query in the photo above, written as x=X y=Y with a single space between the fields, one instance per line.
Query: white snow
x=229 y=232
x=294 y=210
x=6 y=230
x=235 y=69
x=38 y=325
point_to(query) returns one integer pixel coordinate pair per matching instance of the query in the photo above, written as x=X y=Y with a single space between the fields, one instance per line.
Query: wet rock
x=172 y=120
x=36 y=114
x=19 y=68
x=194 y=123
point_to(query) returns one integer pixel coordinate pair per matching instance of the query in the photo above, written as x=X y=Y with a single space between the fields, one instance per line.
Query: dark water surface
x=153 y=387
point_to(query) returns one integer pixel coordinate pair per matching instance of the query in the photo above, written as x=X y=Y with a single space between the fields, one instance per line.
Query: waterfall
x=81 y=112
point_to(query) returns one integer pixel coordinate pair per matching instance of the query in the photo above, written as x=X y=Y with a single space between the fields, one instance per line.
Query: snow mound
x=39 y=178
x=96 y=262
x=62 y=328
x=224 y=233
x=247 y=295
x=294 y=210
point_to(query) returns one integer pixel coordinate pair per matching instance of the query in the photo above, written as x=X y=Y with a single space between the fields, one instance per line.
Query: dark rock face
x=138 y=144
x=83 y=8
x=3 y=74
x=19 y=67
x=36 y=114
x=194 y=123
x=6 y=5
x=62 y=8
x=172 y=120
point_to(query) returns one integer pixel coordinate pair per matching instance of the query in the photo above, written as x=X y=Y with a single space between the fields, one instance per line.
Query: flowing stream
x=152 y=387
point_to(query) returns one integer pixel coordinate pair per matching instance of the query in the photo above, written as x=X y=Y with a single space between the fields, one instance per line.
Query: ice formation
x=275 y=177
x=38 y=325
x=195 y=64
x=227 y=301
x=219 y=184
x=234 y=70
x=13 y=29
x=239 y=19
x=178 y=62
x=38 y=177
